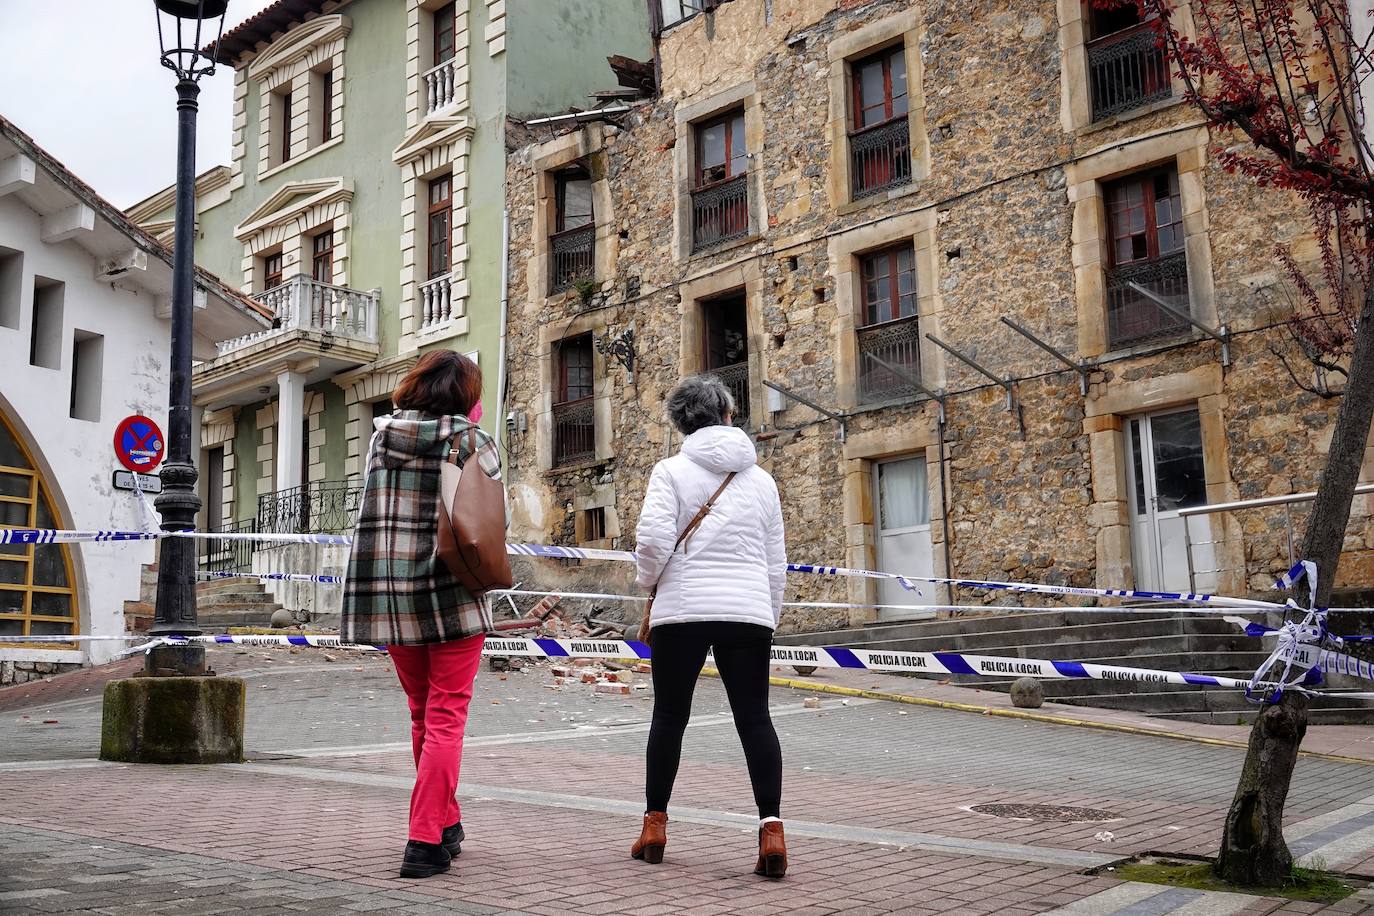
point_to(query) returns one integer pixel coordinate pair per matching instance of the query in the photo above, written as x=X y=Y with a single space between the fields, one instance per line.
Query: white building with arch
x=84 y=342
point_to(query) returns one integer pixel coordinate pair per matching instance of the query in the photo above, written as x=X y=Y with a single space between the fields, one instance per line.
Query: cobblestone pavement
x=877 y=800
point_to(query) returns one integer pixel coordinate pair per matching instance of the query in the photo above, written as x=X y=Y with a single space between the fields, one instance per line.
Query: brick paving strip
x=877 y=798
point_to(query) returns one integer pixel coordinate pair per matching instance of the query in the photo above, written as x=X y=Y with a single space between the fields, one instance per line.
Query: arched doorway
x=37 y=595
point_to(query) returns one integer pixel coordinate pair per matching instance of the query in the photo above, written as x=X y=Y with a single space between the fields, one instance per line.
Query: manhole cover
x=1045 y=812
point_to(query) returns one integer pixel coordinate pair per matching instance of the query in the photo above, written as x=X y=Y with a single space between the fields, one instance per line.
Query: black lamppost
x=182 y=26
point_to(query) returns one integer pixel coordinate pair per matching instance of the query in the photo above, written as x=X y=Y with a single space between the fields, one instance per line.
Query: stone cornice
x=296 y=45
x=291 y=199
x=431 y=133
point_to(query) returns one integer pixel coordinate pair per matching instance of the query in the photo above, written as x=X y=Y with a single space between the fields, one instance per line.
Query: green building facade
x=364 y=203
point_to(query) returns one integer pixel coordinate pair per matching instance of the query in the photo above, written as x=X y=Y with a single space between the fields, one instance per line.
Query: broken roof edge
x=121 y=220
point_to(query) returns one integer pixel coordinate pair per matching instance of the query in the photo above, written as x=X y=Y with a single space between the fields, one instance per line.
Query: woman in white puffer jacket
x=718 y=589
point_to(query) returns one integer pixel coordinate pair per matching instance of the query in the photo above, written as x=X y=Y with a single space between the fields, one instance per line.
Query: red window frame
x=271 y=271
x=733 y=122
x=322 y=257
x=890 y=103
x=285 y=148
x=1139 y=220
x=888 y=265
x=440 y=217
x=327 y=97
x=575 y=369
x=445 y=20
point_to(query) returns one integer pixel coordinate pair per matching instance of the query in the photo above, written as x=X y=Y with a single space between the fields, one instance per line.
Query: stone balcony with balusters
x=328 y=328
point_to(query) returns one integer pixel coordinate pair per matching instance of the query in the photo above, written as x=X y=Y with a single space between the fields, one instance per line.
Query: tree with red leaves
x=1281 y=84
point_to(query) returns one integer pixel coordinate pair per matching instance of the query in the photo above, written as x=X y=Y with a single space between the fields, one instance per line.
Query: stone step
x=1083 y=633
x=221 y=618
x=966 y=623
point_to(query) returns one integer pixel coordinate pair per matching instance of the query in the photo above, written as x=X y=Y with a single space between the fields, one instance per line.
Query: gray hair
x=698 y=402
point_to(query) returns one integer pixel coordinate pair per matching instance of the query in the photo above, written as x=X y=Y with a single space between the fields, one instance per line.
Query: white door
x=902 y=510
x=1164 y=474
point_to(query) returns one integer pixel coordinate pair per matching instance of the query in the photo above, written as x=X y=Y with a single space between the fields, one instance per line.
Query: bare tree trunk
x=1253 y=851
x=1331 y=510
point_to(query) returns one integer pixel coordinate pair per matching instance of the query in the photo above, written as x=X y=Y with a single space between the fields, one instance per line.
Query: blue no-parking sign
x=138 y=443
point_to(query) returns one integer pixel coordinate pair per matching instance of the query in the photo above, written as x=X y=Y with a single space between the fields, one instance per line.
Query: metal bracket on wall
x=938 y=395
x=1221 y=335
x=802 y=399
x=1080 y=368
x=1005 y=381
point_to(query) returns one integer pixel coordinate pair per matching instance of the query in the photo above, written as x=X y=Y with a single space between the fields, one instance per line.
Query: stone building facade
x=824 y=195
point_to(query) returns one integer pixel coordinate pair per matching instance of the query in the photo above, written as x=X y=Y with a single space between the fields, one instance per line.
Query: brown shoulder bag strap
x=704 y=511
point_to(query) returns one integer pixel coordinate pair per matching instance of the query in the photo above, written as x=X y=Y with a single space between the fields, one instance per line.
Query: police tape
x=550 y=551
x=945 y=663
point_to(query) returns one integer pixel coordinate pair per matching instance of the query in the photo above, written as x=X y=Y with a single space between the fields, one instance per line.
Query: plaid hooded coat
x=397 y=590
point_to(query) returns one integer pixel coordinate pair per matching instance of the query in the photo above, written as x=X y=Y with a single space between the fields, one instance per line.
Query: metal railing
x=880 y=157
x=896 y=343
x=1131 y=317
x=439 y=86
x=736 y=378
x=574 y=432
x=305 y=304
x=720 y=212
x=1264 y=554
x=229 y=555
x=572 y=256
x=322 y=507
x=1127 y=70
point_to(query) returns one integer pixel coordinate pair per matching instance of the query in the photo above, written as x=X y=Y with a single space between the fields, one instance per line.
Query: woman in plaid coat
x=399 y=593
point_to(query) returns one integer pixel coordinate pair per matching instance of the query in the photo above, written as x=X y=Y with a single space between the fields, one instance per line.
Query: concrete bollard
x=173 y=720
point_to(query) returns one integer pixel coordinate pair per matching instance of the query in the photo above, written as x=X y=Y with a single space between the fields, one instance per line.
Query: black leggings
x=741 y=654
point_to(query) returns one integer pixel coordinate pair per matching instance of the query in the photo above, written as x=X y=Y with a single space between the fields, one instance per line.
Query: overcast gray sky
x=82 y=78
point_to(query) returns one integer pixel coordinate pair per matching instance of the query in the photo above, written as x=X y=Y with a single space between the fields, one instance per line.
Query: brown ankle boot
x=772 y=851
x=652 y=838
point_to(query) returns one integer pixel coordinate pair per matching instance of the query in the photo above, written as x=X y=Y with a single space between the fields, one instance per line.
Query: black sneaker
x=452 y=839
x=424 y=859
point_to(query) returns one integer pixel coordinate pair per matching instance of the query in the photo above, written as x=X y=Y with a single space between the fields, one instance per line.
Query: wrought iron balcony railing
x=1127 y=70
x=326 y=506
x=572 y=256
x=1132 y=318
x=898 y=344
x=880 y=157
x=305 y=304
x=229 y=555
x=720 y=212
x=574 y=432
x=736 y=378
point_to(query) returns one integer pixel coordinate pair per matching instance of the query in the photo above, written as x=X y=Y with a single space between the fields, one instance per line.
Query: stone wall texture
x=1004 y=214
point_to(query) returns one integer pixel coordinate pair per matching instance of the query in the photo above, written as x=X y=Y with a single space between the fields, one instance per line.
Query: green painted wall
x=246 y=441
x=556 y=52
x=335 y=420
x=555 y=55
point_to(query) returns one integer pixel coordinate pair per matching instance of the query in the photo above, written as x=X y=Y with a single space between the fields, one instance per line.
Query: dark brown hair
x=441 y=383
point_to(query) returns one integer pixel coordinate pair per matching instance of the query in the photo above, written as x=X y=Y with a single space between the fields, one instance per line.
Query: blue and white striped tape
x=907 y=581
x=812 y=656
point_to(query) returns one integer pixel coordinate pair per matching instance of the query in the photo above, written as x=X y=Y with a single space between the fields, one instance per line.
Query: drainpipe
x=944 y=503
x=505 y=302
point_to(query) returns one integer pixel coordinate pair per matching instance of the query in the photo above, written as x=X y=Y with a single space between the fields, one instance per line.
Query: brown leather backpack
x=472 y=523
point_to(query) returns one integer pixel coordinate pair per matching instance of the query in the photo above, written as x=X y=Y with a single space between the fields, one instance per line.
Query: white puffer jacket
x=734 y=566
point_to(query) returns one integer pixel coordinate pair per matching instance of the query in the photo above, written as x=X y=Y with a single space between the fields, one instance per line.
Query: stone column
x=290 y=417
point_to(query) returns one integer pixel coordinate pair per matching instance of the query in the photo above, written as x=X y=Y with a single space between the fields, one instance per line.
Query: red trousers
x=437 y=679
